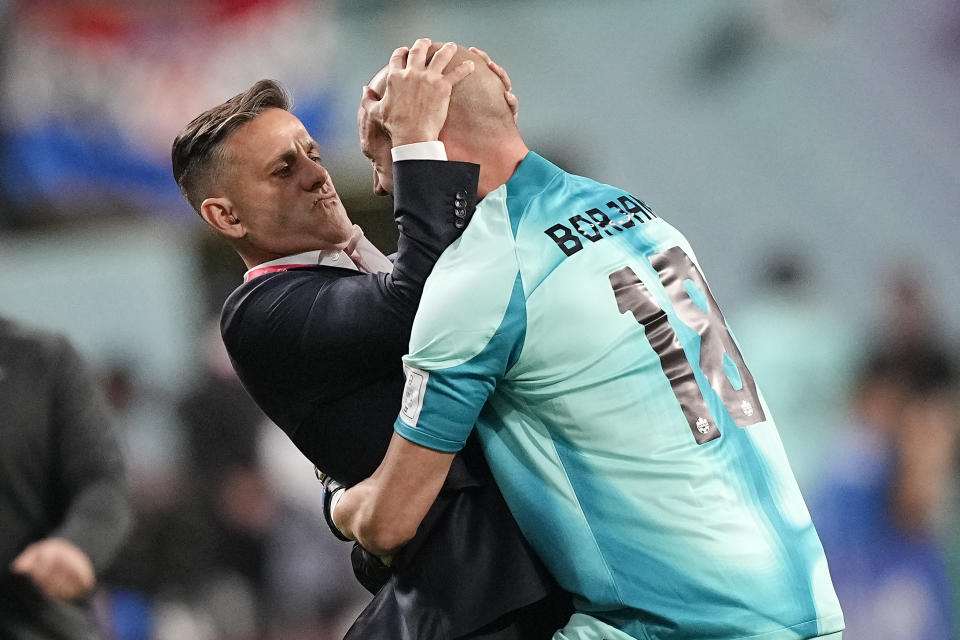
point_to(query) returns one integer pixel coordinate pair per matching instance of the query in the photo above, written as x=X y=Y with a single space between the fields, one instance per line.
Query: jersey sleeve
x=467 y=333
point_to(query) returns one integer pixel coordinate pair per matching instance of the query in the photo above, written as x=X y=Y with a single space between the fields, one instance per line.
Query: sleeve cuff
x=428 y=440
x=432 y=150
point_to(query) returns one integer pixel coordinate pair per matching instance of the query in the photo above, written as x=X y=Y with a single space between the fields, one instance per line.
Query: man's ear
x=219 y=214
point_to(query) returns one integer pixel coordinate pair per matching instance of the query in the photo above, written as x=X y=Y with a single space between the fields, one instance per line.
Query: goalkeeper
x=574 y=329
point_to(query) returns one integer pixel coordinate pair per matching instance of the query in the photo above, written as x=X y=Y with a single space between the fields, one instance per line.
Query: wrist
x=413 y=138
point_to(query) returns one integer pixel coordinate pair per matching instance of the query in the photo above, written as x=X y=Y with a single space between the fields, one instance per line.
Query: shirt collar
x=325 y=257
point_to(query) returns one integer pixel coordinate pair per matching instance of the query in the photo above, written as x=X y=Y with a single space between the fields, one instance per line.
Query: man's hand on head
x=416 y=97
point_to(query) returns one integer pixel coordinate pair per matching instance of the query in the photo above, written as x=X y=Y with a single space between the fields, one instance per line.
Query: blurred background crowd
x=809 y=149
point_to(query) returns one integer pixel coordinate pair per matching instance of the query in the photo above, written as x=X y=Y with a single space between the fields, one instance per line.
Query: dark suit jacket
x=319 y=348
x=61 y=475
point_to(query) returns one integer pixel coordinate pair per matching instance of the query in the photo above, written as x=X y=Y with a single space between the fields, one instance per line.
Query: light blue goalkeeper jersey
x=574 y=328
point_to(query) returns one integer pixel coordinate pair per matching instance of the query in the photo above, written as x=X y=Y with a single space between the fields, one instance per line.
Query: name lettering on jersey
x=594 y=224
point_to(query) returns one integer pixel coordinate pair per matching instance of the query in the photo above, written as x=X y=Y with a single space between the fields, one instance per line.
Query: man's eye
x=317 y=159
x=282 y=171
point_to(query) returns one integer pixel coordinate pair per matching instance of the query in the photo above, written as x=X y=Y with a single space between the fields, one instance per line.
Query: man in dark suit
x=318 y=327
x=64 y=505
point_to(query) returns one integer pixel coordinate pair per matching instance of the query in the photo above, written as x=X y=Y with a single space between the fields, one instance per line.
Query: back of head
x=197 y=153
x=478 y=110
x=477 y=104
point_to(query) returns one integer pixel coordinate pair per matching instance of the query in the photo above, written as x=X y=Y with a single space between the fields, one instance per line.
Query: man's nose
x=315 y=175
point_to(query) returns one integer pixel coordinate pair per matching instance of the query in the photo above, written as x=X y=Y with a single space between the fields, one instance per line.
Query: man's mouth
x=326 y=193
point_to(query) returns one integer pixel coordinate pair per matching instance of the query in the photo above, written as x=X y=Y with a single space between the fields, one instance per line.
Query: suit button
x=460 y=212
x=459 y=223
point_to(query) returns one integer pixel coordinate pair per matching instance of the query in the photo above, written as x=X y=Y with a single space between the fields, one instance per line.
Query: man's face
x=376 y=146
x=279 y=190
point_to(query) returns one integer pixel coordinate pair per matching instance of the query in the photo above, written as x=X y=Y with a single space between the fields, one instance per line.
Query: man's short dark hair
x=197 y=151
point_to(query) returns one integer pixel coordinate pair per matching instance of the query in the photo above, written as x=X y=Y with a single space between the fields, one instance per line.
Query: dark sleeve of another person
x=88 y=463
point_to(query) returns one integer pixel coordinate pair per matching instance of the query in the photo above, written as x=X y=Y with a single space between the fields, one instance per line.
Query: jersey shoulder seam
x=534 y=198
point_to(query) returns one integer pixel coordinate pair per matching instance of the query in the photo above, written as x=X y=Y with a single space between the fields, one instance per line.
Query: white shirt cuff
x=432 y=150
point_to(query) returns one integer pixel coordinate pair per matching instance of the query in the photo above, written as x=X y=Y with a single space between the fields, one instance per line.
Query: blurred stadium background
x=809 y=149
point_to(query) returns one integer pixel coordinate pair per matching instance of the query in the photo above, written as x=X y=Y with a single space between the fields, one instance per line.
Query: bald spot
x=477 y=105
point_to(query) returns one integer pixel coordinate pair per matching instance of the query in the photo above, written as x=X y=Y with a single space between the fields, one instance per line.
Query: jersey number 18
x=719 y=361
